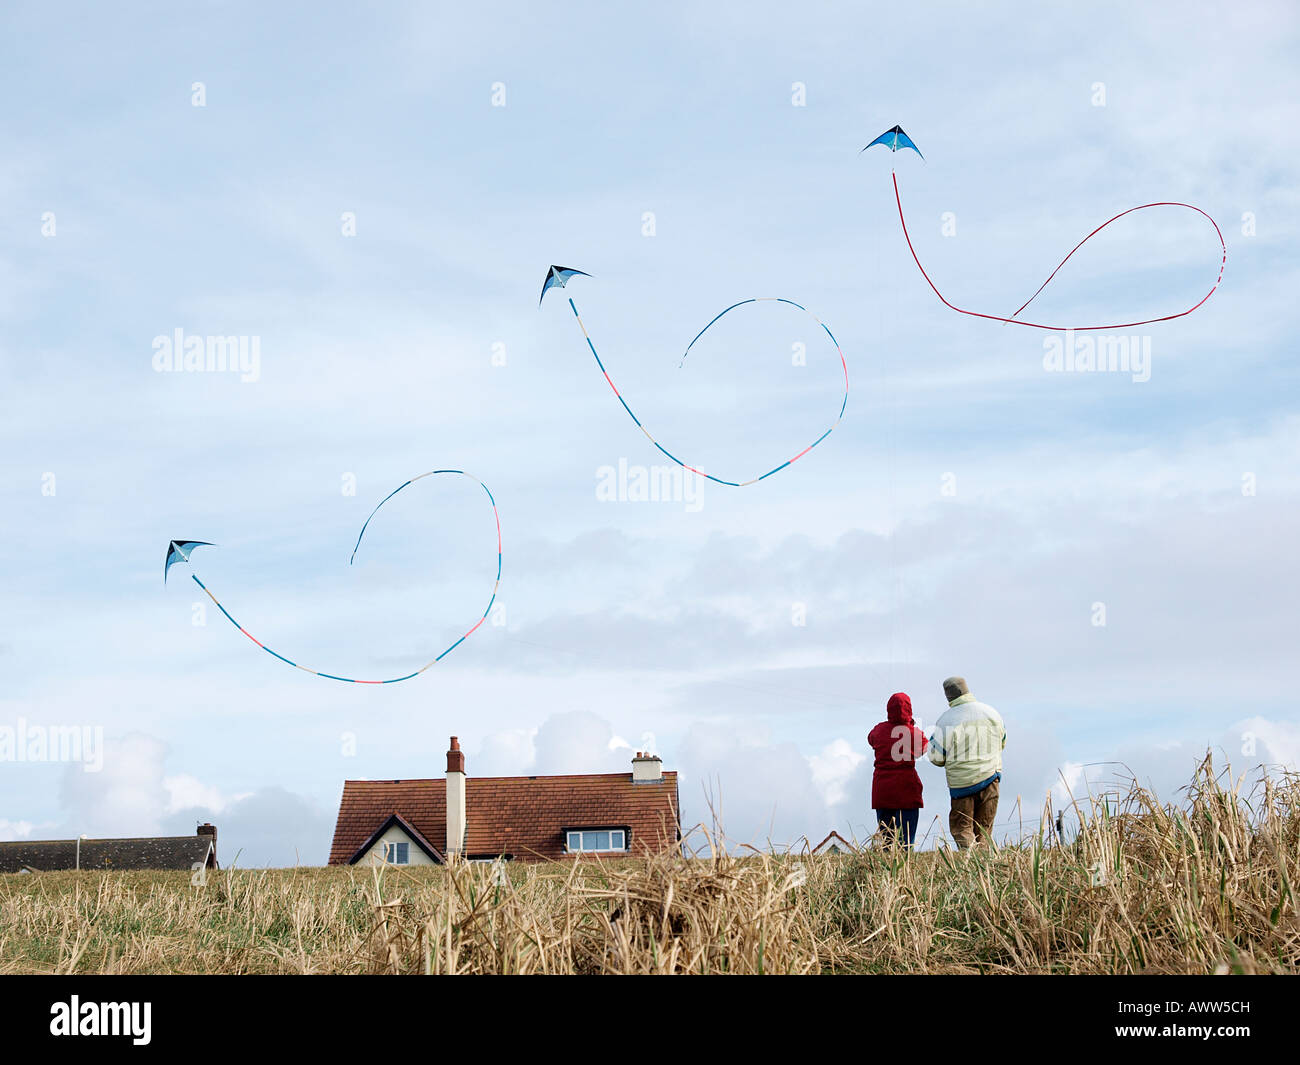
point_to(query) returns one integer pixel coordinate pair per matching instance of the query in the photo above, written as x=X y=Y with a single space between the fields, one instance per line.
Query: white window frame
x=578 y=834
x=390 y=851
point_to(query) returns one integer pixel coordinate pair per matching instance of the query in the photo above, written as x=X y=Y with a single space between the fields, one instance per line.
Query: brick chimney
x=455 y=799
x=647 y=768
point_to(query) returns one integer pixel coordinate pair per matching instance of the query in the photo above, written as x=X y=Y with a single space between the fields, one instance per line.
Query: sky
x=371 y=198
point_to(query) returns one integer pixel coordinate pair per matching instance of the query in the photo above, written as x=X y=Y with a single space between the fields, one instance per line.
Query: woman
x=895 y=787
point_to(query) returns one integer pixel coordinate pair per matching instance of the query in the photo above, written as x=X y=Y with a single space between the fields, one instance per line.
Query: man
x=968 y=742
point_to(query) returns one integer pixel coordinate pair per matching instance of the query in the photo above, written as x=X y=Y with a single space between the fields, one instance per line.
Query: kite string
x=1013 y=320
x=686 y=466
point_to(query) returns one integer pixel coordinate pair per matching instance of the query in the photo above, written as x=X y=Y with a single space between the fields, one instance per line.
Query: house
x=420 y=822
x=149 y=852
x=834 y=844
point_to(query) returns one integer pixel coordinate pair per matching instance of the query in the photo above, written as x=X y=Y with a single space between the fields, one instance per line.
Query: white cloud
x=757 y=791
x=1260 y=740
x=270 y=826
x=134 y=796
x=832 y=768
x=1070 y=785
x=10 y=830
x=577 y=742
x=126 y=798
x=508 y=752
x=184 y=790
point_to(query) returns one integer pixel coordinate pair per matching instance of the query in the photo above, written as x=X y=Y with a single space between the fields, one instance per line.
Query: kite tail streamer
x=1015 y=320
x=432 y=661
x=687 y=466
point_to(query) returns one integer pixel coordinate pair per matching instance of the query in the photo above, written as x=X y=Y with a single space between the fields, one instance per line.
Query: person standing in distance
x=968 y=741
x=895 y=785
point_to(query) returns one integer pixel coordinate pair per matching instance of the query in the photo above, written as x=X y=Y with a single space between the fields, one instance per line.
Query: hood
x=900 y=709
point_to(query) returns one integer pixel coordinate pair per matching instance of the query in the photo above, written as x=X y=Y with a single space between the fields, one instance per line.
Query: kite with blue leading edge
x=179 y=551
x=558 y=277
x=895 y=138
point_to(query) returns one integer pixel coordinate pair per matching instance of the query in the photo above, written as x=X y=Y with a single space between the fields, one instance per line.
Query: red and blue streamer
x=1016 y=320
x=686 y=465
x=433 y=661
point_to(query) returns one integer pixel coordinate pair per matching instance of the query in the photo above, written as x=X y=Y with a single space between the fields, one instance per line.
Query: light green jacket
x=968 y=741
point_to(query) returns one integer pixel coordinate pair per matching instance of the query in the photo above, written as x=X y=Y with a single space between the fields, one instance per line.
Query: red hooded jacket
x=897 y=743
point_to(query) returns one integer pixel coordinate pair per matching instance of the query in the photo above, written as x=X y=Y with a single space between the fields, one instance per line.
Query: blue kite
x=894 y=139
x=179 y=551
x=558 y=277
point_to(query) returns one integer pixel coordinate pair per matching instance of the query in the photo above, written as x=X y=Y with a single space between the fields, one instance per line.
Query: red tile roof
x=524 y=817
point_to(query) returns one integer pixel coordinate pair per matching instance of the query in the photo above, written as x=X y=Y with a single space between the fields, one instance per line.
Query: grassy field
x=1204 y=886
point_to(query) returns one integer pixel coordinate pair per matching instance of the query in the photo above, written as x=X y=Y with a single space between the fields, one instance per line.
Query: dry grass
x=1202 y=886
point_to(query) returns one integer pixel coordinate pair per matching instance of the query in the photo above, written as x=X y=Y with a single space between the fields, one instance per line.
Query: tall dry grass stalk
x=1205 y=885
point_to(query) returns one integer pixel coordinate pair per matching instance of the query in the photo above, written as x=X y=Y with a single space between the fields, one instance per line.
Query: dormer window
x=397 y=853
x=595 y=840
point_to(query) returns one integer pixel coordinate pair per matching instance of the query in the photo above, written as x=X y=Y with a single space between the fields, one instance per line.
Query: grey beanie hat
x=954 y=687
